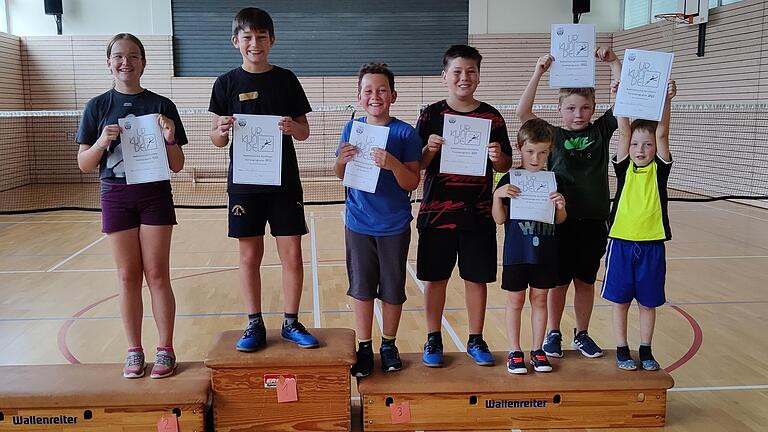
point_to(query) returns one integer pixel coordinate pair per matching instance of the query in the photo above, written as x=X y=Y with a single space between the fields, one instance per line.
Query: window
x=3 y=17
x=641 y=12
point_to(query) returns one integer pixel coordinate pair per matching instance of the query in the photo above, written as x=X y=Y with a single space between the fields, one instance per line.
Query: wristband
x=170 y=143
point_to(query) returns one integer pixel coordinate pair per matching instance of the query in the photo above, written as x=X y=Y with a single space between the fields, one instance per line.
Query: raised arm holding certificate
x=257 y=150
x=533 y=202
x=643 y=88
x=573 y=47
x=361 y=172
x=143 y=147
x=465 y=151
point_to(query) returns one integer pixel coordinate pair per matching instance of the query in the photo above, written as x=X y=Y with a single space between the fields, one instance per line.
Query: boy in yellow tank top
x=639 y=226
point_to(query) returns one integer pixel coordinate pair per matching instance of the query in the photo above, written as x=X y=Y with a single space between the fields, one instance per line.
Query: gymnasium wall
x=735 y=66
x=14 y=165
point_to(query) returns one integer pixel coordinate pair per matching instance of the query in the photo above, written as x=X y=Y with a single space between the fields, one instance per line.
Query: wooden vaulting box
x=245 y=385
x=579 y=393
x=95 y=397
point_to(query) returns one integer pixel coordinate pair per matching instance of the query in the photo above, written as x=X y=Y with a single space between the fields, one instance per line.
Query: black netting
x=719 y=153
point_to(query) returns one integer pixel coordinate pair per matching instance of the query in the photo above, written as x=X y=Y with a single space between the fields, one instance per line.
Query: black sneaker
x=553 y=344
x=390 y=358
x=539 y=361
x=516 y=363
x=585 y=344
x=364 y=363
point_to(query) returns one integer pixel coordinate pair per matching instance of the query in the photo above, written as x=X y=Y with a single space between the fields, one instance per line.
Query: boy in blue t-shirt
x=530 y=250
x=260 y=88
x=635 y=265
x=378 y=233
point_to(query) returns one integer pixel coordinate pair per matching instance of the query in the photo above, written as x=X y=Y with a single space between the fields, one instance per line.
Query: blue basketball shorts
x=635 y=270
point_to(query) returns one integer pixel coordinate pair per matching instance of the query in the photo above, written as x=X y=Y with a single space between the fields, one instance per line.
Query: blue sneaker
x=254 y=337
x=585 y=344
x=553 y=344
x=628 y=365
x=650 y=365
x=480 y=353
x=433 y=353
x=299 y=335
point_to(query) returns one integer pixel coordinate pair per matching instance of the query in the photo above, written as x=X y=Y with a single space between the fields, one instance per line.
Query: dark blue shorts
x=126 y=206
x=635 y=270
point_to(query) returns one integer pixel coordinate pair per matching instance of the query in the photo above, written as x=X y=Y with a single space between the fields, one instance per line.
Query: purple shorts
x=128 y=206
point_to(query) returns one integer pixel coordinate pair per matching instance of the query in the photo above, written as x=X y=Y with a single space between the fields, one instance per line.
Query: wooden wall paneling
x=11 y=73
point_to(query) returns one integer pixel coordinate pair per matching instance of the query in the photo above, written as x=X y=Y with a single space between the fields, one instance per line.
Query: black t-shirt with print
x=275 y=92
x=105 y=109
x=580 y=160
x=454 y=201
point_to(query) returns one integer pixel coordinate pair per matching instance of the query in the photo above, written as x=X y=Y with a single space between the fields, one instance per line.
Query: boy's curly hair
x=253 y=19
x=535 y=130
x=585 y=92
x=376 y=68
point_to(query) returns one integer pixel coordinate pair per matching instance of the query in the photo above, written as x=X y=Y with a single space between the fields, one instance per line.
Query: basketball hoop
x=669 y=22
x=677 y=18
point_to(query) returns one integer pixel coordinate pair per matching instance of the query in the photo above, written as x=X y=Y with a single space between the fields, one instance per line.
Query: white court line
x=93 y=243
x=315 y=276
x=444 y=321
x=735 y=212
x=721 y=388
x=377 y=314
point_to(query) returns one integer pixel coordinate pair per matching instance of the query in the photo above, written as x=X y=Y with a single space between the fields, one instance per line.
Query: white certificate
x=257 y=150
x=573 y=47
x=643 y=88
x=143 y=145
x=465 y=151
x=533 y=203
x=361 y=173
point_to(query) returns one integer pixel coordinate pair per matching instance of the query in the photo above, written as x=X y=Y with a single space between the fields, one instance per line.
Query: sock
x=475 y=337
x=166 y=349
x=136 y=349
x=555 y=331
x=645 y=352
x=437 y=337
x=256 y=317
x=387 y=340
x=289 y=318
x=365 y=345
x=622 y=353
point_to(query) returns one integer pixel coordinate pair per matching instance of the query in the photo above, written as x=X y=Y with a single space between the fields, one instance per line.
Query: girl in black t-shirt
x=137 y=218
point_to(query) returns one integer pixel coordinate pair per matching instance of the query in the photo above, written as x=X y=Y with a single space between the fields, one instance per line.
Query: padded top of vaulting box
x=100 y=385
x=337 y=347
x=461 y=375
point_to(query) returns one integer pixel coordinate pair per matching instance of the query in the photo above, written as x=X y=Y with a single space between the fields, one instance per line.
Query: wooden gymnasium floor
x=57 y=301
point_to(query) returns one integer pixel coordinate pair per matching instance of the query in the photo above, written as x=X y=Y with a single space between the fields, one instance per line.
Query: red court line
x=61 y=339
x=698 y=338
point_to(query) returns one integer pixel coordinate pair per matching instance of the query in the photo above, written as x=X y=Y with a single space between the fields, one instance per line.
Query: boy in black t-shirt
x=530 y=250
x=455 y=214
x=258 y=87
x=580 y=160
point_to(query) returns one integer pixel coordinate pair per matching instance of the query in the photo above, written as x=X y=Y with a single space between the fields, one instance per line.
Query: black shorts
x=517 y=277
x=376 y=266
x=580 y=246
x=249 y=214
x=125 y=206
x=438 y=249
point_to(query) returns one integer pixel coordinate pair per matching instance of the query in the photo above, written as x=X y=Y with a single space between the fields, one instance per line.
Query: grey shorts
x=376 y=266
